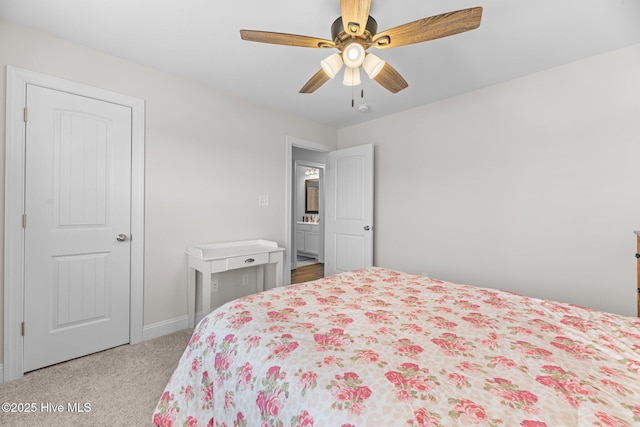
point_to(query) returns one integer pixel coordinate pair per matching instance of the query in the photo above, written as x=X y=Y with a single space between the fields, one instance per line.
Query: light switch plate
x=263 y=200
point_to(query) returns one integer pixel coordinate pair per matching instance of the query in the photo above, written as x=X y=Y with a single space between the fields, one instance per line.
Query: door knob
x=367 y=228
x=121 y=237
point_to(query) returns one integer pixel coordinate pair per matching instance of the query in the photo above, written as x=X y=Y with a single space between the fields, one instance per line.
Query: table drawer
x=247 y=261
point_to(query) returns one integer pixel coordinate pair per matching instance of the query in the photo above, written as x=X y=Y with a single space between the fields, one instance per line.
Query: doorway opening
x=304 y=228
x=308 y=210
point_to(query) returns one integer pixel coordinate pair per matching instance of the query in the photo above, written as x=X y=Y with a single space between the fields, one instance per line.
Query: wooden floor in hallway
x=307 y=273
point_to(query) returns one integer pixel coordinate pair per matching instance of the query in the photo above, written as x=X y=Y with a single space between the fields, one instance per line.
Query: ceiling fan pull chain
x=353 y=102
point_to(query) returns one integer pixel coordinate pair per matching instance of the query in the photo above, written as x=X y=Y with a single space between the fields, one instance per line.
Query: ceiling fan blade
x=284 y=39
x=431 y=28
x=355 y=14
x=390 y=79
x=315 y=82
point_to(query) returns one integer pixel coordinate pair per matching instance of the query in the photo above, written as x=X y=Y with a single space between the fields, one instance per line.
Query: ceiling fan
x=356 y=31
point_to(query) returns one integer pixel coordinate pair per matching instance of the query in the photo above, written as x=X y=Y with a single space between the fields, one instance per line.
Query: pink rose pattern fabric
x=377 y=347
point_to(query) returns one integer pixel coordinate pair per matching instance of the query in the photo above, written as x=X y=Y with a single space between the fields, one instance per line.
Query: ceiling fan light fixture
x=353 y=55
x=332 y=65
x=351 y=76
x=373 y=65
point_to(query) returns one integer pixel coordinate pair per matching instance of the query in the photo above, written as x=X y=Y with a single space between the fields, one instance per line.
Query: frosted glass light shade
x=353 y=55
x=373 y=65
x=332 y=65
x=351 y=76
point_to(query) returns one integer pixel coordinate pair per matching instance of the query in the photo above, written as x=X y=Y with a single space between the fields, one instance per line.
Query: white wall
x=532 y=185
x=208 y=157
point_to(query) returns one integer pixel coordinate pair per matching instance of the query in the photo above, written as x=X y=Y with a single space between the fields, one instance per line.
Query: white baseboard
x=165 y=327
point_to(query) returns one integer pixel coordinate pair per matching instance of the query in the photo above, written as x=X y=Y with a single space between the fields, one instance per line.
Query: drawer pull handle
x=249 y=260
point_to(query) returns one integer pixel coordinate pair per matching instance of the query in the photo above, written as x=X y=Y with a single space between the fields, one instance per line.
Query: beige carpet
x=120 y=386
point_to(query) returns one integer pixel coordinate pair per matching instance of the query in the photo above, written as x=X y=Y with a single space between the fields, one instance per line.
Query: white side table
x=219 y=257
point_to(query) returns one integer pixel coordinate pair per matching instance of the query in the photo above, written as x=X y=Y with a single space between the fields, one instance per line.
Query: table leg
x=191 y=296
x=206 y=293
x=260 y=278
x=279 y=271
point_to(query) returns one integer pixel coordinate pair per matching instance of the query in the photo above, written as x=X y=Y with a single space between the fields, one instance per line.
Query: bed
x=377 y=347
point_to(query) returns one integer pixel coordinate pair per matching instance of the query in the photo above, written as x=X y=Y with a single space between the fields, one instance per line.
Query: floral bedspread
x=377 y=347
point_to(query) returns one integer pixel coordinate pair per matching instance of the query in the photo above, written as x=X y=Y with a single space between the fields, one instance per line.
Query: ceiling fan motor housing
x=339 y=35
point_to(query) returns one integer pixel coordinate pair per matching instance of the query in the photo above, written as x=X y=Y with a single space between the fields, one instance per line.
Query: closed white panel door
x=77 y=202
x=349 y=209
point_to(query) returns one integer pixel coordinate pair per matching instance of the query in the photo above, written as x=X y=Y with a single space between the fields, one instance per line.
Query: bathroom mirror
x=312 y=189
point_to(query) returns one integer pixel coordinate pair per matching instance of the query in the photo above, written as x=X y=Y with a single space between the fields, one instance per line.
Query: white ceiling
x=200 y=40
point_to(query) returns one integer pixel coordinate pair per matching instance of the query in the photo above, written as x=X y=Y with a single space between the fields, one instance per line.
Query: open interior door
x=349 y=209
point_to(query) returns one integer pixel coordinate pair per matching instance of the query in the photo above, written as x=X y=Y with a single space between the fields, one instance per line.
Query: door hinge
x=22 y=329
x=24 y=220
x=26 y=114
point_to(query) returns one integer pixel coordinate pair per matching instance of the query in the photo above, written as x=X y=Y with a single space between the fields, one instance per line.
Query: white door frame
x=288 y=184
x=17 y=80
